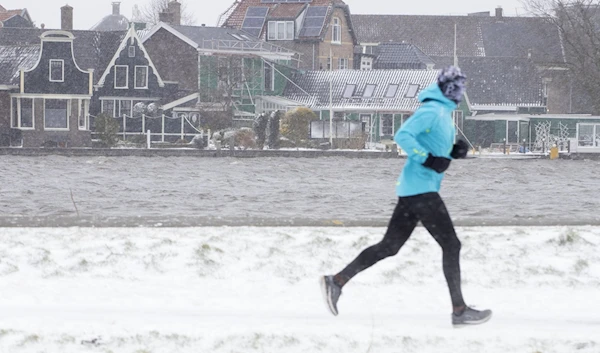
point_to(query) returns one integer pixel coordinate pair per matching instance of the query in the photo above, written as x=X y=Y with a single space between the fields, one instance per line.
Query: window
x=108 y=107
x=121 y=76
x=269 y=77
x=369 y=90
x=386 y=125
x=26 y=113
x=131 y=51
x=14 y=122
x=412 y=90
x=57 y=71
x=391 y=91
x=141 y=77
x=349 y=91
x=366 y=120
x=124 y=108
x=337 y=31
x=55 y=114
x=281 y=30
x=366 y=64
x=83 y=118
x=343 y=64
x=328 y=64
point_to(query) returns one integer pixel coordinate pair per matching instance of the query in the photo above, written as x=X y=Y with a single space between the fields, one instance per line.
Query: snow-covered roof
x=361 y=90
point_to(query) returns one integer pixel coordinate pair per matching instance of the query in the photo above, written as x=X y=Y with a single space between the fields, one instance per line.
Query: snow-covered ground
x=219 y=289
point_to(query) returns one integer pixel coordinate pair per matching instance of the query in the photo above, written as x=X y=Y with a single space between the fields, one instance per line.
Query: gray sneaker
x=471 y=317
x=331 y=293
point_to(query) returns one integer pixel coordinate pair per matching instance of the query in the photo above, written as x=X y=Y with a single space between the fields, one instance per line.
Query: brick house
x=321 y=30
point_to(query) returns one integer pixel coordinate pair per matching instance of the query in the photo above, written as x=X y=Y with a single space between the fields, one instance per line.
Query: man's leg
x=432 y=212
x=401 y=225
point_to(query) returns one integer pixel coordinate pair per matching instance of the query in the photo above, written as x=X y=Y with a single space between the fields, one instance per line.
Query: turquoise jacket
x=429 y=130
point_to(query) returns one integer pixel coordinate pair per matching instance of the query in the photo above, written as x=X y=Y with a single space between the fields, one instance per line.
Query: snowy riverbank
x=244 y=289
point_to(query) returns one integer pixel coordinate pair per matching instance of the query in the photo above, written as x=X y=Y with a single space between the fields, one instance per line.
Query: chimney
x=175 y=10
x=498 y=13
x=165 y=17
x=66 y=18
x=116 y=5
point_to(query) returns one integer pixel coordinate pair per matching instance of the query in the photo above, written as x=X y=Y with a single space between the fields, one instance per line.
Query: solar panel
x=257 y=11
x=314 y=21
x=255 y=20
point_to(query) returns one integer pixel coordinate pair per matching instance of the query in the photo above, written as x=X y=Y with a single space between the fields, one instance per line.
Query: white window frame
x=336 y=31
x=381 y=117
x=273 y=30
x=126 y=76
x=130 y=114
x=62 y=66
x=84 y=107
x=131 y=51
x=136 y=74
x=112 y=114
x=68 y=100
x=19 y=123
x=343 y=63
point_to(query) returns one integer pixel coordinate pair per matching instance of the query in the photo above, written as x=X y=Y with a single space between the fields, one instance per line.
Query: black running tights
x=431 y=211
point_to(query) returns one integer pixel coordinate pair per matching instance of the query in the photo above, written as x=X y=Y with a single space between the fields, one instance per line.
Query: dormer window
x=412 y=90
x=132 y=51
x=141 y=77
x=57 y=71
x=336 y=31
x=391 y=91
x=281 y=30
x=121 y=77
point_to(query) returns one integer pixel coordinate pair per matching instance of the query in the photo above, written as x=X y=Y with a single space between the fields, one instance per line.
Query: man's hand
x=460 y=150
x=439 y=164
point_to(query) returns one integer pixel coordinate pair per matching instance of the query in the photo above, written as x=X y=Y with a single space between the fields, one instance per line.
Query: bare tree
x=578 y=22
x=149 y=13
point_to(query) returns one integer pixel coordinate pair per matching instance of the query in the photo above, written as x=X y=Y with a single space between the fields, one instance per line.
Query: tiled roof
x=236 y=18
x=317 y=84
x=112 y=23
x=14 y=58
x=10 y=13
x=400 y=56
x=502 y=81
x=286 y=11
x=92 y=50
x=476 y=35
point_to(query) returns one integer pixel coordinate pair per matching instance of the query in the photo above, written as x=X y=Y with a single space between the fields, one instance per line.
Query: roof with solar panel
x=251 y=16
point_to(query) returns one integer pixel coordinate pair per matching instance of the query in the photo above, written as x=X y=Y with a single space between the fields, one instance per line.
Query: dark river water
x=192 y=191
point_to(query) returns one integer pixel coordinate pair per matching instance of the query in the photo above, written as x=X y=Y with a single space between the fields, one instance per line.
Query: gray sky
x=89 y=12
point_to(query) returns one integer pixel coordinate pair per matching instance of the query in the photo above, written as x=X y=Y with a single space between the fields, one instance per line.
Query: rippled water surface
x=179 y=191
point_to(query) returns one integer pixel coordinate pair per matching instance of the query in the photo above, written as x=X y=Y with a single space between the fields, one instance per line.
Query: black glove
x=439 y=164
x=459 y=150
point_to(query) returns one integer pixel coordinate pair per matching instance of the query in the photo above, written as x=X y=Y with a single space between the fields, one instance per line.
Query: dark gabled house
x=15 y=18
x=131 y=89
x=34 y=78
x=204 y=59
x=487 y=37
x=321 y=30
x=53 y=98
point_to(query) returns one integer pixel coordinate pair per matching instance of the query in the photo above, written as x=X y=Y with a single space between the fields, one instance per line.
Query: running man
x=428 y=139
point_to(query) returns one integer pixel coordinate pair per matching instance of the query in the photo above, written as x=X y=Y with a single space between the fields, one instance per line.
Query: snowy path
x=255 y=290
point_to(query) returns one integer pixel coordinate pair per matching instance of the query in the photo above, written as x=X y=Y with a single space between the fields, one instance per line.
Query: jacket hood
x=433 y=92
